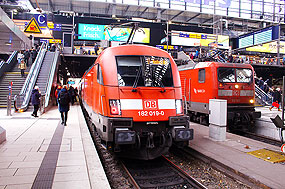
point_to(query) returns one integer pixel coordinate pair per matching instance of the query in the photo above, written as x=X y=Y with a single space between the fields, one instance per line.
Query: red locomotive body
x=133 y=95
x=213 y=80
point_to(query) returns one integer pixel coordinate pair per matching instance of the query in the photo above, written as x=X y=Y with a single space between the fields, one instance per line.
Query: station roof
x=145 y=13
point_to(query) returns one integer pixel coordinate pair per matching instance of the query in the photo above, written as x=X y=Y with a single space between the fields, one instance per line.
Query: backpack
x=63 y=98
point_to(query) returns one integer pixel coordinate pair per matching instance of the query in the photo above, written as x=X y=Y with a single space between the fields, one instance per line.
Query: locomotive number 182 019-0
x=151 y=113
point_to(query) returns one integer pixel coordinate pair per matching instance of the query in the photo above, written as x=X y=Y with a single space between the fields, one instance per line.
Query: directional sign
x=33 y=27
x=41 y=19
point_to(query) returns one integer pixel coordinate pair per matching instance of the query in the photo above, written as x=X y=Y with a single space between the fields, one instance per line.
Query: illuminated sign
x=268 y=47
x=255 y=38
x=102 y=32
x=197 y=39
x=245 y=41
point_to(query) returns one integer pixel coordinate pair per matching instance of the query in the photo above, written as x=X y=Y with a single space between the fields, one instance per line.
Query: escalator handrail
x=11 y=57
x=32 y=77
x=262 y=95
x=51 y=77
x=5 y=66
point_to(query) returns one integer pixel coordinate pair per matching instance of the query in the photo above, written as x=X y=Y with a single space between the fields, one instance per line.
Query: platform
x=232 y=155
x=264 y=125
x=42 y=153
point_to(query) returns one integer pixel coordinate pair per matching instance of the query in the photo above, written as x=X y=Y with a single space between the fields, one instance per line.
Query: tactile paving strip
x=268 y=155
x=45 y=175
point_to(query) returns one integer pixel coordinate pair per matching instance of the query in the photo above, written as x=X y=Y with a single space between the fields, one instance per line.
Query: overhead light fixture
x=8 y=43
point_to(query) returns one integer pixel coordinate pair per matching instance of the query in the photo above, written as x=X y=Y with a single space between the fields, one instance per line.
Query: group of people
x=274 y=91
x=24 y=57
x=63 y=96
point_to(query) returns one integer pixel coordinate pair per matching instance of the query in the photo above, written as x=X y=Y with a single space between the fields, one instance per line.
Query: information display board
x=103 y=32
x=197 y=39
x=262 y=37
x=259 y=37
x=245 y=41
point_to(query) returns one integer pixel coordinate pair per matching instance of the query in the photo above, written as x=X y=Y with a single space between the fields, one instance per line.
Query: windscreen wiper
x=137 y=80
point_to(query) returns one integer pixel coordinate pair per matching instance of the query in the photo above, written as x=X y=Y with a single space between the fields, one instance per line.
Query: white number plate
x=151 y=113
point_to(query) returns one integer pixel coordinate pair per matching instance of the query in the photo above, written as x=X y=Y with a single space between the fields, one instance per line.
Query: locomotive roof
x=214 y=64
x=136 y=49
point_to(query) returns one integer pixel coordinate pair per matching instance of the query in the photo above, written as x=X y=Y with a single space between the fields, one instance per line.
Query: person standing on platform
x=63 y=104
x=71 y=94
x=22 y=66
x=36 y=100
x=276 y=99
x=96 y=48
x=27 y=57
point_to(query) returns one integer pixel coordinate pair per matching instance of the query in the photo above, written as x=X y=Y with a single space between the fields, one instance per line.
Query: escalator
x=41 y=75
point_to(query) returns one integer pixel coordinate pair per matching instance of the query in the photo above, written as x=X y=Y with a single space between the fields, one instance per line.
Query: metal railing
x=7 y=66
x=21 y=101
x=265 y=99
x=50 y=78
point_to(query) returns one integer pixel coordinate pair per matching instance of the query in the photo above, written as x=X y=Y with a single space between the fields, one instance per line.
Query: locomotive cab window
x=201 y=76
x=232 y=75
x=99 y=75
x=144 y=71
x=244 y=75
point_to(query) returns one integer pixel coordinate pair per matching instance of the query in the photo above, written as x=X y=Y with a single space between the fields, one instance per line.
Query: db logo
x=150 y=104
x=283 y=148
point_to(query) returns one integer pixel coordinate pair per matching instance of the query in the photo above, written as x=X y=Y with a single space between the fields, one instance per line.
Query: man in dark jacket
x=63 y=100
x=36 y=100
x=27 y=57
x=276 y=98
x=34 y=55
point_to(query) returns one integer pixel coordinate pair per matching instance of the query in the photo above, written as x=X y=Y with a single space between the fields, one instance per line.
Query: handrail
x=50 y=78
x=31 y=79
x=7 y=66
x=11 y=57
x=264 y=97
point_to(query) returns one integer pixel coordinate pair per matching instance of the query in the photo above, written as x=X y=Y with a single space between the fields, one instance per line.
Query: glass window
x=226 y=75
x=244 y=75
x=147 y=71
x=201 y=76
x=99 y=75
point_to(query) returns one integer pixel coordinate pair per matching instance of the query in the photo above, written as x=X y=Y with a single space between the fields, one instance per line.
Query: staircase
x=13 y=76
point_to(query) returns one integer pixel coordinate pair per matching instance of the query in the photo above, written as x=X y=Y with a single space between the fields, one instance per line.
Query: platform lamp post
x=283 y=95
x=167 y=33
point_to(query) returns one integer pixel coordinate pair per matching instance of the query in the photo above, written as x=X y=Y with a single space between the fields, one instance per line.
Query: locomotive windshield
x=146 y=71
x=232 y=75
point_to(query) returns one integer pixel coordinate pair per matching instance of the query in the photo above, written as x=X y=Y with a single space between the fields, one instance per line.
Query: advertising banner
x=197 y=39
x=103 y=32
x=268 y=47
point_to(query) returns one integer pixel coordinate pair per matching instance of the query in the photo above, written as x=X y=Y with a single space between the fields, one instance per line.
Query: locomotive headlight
x=115 y=107
x=251 y=101
x=236 y=86
x=179 y=108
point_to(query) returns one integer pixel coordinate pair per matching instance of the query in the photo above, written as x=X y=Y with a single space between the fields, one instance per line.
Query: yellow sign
x=55 y=41
x=270 y=47
x=33 y=27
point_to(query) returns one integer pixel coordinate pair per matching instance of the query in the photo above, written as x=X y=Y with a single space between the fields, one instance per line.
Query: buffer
x=33 y=27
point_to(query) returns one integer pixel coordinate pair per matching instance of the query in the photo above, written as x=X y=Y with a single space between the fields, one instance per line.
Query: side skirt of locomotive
x=140 y=140
x=239 y=117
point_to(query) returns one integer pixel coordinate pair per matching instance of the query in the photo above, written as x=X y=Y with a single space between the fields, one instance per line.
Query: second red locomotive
x=133 y=96
x=213 y=80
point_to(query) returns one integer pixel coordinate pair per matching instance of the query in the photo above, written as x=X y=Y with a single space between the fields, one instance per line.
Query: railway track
x=260 y=138
x=159 y=173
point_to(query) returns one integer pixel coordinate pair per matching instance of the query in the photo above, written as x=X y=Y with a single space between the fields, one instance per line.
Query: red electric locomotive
x=213 y=80
x=133 y=95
